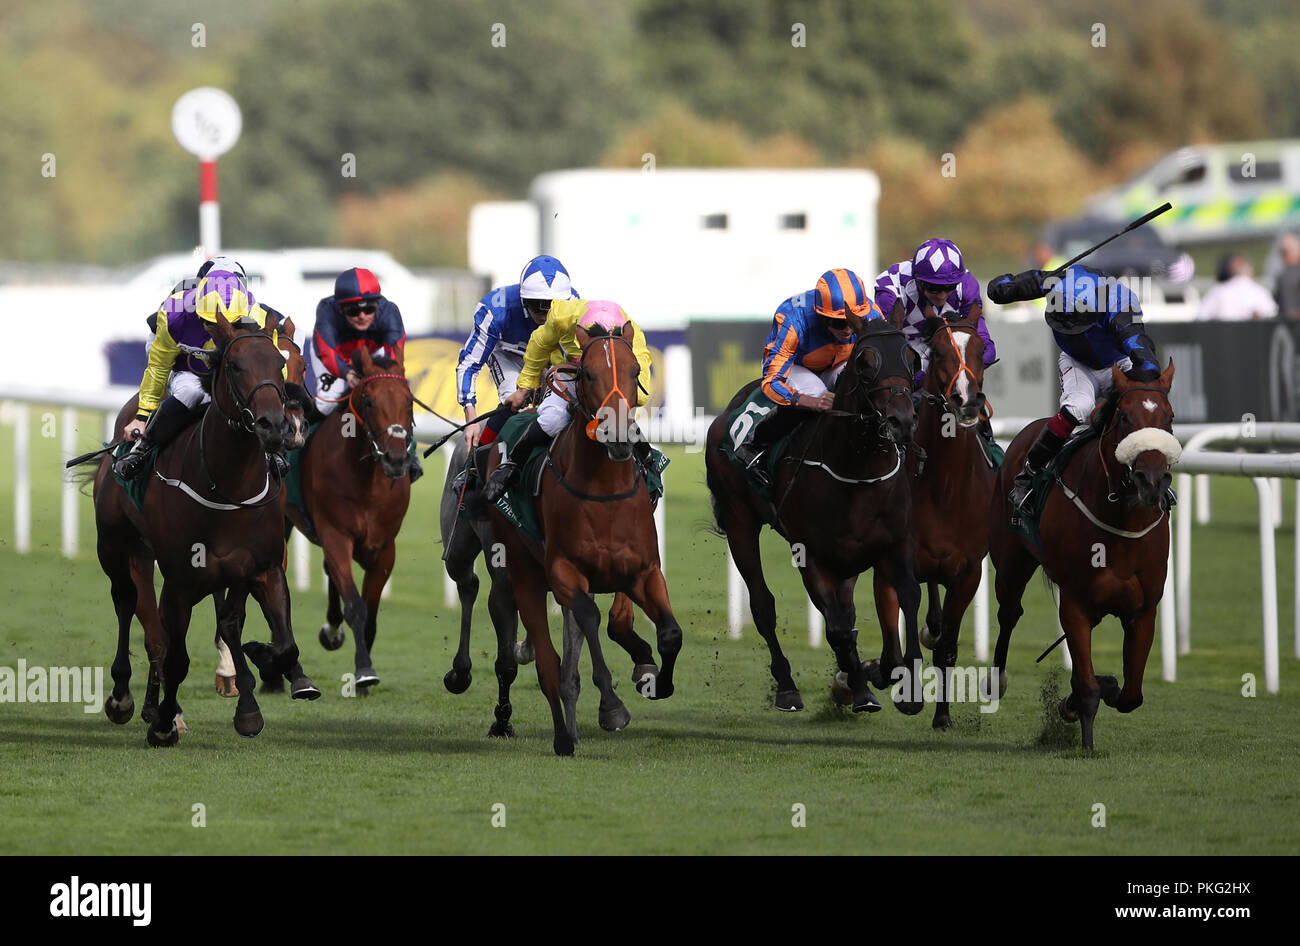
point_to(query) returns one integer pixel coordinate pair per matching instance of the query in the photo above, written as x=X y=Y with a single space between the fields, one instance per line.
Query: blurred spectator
x=1237 y=296
x=1288 y=282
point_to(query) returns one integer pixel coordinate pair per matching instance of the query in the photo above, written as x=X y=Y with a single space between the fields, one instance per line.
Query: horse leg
x=505 y=621
x=1139 y=633
x=956 y=600
x=459 y=561
x=332 y=634
x=230 y=628
x=338 y=560
x=570 y=673
x=176 y=621
x=614 y=715
x=932 y=630
x=530 y=593
x=896 y=587
x=155 y=635
x=622 y=632
x=835 y=601
x=650 y=592
x=378 y=570
x=1085 y=693
x=271 y=590
x=120 y=705
x=1014 y=566
x=742 y=537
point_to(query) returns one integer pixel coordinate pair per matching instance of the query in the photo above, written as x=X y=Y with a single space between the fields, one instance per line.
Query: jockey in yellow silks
x=171 y=391
x=555 y=342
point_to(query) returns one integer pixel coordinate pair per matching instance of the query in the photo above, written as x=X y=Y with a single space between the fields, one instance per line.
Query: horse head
x=248 y=375
x=955 y=377
x=295 y=377
x=382 y=401
x=1139 y=432
x=607 y=379
x=876 y=384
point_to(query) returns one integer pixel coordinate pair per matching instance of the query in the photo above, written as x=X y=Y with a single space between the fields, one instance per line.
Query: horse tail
x=716 y=526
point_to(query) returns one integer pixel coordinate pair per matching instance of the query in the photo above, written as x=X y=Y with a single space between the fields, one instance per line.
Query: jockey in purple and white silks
x=934 y=282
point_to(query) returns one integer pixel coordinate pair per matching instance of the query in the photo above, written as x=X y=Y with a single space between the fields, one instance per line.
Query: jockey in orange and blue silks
x=809 y=345
x=171 y=391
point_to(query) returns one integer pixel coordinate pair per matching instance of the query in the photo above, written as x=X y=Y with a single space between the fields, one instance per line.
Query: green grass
x=1198 y=769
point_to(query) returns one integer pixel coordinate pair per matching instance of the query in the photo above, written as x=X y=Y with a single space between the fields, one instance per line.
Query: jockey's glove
x=1016 y=287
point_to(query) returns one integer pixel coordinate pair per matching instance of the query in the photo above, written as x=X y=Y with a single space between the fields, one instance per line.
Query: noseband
x=1127 y=485
x=392 y=430
x=243 y=418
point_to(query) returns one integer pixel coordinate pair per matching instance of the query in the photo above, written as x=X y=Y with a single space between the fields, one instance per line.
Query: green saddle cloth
x=135 y=489
x=1026 y=523
x=293 y=479
x=757 y=406
x=517 y=504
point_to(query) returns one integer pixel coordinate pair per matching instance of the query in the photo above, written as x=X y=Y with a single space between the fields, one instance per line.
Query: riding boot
x=415 y=468
x=1041 y=453
x=279 y=462
x=503 y=476
x=171 y=417
x=768 y=431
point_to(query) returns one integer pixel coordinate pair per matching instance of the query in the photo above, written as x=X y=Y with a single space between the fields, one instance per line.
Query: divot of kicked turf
x=1056 y=732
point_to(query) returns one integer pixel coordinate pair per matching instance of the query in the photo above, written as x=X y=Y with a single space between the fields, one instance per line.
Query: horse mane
x=379 y=361
x=595 y=330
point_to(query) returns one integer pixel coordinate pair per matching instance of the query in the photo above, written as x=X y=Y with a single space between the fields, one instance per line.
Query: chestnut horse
x=214 y=524
x=844 y=508
x=599 y=529
x=952 y=484
x=463 y=540
x=1103 y=541
x=356 y=488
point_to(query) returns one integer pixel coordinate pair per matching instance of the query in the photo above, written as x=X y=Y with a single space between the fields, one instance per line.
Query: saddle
x=772 y=457
x=1026 y=524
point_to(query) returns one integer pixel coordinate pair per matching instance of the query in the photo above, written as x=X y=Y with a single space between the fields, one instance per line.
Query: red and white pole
x=209 y=208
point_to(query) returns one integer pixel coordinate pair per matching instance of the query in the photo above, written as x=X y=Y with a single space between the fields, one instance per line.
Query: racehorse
x=599 y=529
x=951 y=488
x=1103 y=541
x=214 y=480
x=463 y=540
x=356 y=491
x=843 y=508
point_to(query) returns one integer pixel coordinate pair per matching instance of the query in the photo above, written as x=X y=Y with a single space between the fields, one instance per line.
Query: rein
x=945 y=402
x=392 y=430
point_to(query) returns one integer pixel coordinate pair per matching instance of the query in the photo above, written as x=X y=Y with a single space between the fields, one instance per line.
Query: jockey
x=556 y=343
x=220 y=293
x=357 y=316
x=809 y=344
x=1097 y=323
x=934 y=282
x=503 y=323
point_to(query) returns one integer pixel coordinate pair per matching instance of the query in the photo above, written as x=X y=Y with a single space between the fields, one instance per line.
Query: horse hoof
x=249 y=724
x=1109 y=690
x=332 y=638
x=1067 y=714
x=616 y=719
x=909 y=707
x=501 y=729
x=120 y=711
x=868 y=704
x=524 y=653
x=272 y=686
x=163 y=740
x=304 y=689
x=149 y=713
x=789 y=701
x=840 y=691
x=366 y=677
x=179 y=723
x=226 y=686
x=455 y=681
x=646 y=678
x=874 y=675
x=563 y=744
x=928 y=639
x=943 y=721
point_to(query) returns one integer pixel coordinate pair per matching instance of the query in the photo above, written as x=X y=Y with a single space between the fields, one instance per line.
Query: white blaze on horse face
x=1150 y=406
x=963 y=379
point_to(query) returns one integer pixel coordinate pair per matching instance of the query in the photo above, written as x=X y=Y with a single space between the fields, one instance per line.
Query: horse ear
x=930 y=326
x=221 y=330
x=399 y=361
x=855 y=322
x=581 y=335
x=367 y=363
x=1167 y=376
x=272 y=320
x=1122 y=382
x=288 y=328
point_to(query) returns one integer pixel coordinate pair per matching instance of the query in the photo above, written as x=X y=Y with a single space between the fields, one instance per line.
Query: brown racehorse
x=596 y=516
x=951 y=488
x=1104 y=541
x=843 y=508
x=356 y=489
x=214 y=523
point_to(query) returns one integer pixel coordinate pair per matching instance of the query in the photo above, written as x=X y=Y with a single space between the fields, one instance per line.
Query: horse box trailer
x=672 y=245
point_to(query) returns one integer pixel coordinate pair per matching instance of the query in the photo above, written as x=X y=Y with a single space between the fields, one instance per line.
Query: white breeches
x=1082 y=387
x=812 y=383
x=186 y=387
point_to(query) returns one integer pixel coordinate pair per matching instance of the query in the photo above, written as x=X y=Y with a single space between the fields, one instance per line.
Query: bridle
x=1126 y=483
x=944 y=402
x=244 y=419
x=392 y=430
x=872 y=415
x=575 y=401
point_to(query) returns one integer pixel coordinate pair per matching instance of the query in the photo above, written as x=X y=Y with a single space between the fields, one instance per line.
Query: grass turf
x=1197 y=769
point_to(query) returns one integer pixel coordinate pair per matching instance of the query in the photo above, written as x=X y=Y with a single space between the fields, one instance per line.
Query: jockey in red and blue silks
x=357 y=316
x=934 y=282
x=1097 y=323
x=809 y=344
x=503 y=323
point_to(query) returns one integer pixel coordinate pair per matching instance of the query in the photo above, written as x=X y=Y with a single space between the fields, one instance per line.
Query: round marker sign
x=206 y=122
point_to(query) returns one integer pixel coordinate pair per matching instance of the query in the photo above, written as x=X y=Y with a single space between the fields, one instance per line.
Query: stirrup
x=129 y=466
x=500 y=480
x=279 y=462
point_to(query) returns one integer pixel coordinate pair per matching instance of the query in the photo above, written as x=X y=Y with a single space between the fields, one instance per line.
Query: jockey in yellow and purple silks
x=810 y=342
x=555 y=342
x=172 y=390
